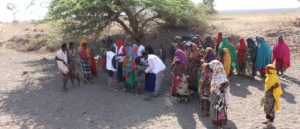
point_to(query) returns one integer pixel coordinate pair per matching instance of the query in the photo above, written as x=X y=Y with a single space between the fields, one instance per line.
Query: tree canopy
x=88 y=17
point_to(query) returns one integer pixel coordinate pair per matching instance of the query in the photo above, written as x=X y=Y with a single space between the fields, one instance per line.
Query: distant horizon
x=271 y=10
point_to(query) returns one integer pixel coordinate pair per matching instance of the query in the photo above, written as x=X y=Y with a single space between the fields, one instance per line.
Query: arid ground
x=31 y=95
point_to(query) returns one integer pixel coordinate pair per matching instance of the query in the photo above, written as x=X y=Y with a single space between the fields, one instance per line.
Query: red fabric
x=175 y=82
x=281 y=55
x=93 y=67
x=119 y=44
x=241 y=51
x=230 y=40
x=219 y=40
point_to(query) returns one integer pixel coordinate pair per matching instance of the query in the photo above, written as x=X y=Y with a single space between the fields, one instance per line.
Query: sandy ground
x=35 y=100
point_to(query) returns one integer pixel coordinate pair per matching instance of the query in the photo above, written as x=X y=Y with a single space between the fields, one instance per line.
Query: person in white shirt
x=62 y=62
x=111 y=67
x=155 y=70
x=141 y=48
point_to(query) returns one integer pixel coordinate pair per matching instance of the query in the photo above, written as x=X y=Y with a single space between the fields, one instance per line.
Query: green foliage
x=88 y=17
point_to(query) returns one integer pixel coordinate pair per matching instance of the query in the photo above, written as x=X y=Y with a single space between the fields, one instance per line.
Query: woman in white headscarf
x=219 y=94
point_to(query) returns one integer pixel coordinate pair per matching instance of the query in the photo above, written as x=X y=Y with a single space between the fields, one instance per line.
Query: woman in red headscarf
x=120 y=53
x=241 y=54
x=218 y=40
x=281 y=55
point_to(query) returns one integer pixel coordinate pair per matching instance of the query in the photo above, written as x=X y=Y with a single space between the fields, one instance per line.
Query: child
x=111 y=68
x=205 y=89
x=180 y=85
x=249 y=66
x=140 y=77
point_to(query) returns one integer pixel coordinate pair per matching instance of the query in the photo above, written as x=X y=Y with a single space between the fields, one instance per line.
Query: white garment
x=120 y=56
x=140 y=50
x=155 y=64
x=109 y=57
x=61 y=66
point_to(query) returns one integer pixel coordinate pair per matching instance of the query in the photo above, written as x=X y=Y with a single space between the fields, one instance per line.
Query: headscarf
x=252 y=48
x=232 y=50
x=263 y=57
x=209 y=42
x=281 y=51
x=180 y=55
x=230 y=39
x=195 y=54
x=210 y=55
x=219 y=40
x=241 y=52
x=227 y=61
x=219 y=76
x=84 y=53
x=119 y=44
x=271 y=80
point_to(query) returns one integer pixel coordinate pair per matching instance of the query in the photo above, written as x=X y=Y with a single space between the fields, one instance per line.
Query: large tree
x=90 y=17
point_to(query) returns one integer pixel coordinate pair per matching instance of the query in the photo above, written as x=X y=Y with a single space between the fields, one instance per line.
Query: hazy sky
x=39 y=10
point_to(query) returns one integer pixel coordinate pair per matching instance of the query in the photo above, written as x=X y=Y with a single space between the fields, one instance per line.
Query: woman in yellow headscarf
x=273 y=92
x=226 y=60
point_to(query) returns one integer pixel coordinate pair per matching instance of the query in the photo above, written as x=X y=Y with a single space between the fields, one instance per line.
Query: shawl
x=281 y=51
x=271 y=80
x=180 y=55
x=263 y=57
x=119 y=44
x=252 y=48
x=227 y=61
x=210 y=55
x=195 y=53
x=241 y=52
x=219 y=39
x=129 y=61
x=232 y=50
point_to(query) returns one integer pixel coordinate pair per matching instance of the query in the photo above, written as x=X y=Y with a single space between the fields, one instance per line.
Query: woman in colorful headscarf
x=225 y=44
x=120 y=53
x=194 y=65
x=129 y=66
x=264 y=56
x=84 y=59
x=92 y=60
x=219 y=94
x=250 y=58
x=179 y=67
x=281 y=56
x=218 y=41
x=241 y=54
x=226 y=60
x=210 y=55
x=273 y=92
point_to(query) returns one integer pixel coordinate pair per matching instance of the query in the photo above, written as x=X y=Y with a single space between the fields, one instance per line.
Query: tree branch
x=135 y=15
x=150 y=19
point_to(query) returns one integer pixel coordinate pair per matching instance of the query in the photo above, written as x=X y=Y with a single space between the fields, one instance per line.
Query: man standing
x=141 y=48
x=155 y=73
x=62 y=62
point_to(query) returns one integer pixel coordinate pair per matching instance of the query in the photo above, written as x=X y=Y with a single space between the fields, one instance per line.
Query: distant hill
x=258 y=11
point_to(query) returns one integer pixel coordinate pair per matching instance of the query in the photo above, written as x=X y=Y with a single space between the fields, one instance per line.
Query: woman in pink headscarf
x=281 y=55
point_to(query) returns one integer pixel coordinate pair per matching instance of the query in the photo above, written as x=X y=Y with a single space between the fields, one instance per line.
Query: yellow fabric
x=270 y=81
x=227 y=61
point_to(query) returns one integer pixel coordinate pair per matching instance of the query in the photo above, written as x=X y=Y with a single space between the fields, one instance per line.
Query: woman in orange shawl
x=241 y=54
x=84 y=59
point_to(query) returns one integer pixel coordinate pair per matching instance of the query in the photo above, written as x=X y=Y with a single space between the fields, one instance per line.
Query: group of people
x=201 y=67
x=205 y=66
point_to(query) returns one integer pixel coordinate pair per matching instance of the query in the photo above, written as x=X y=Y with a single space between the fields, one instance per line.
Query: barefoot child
x=140 y=76
x=62 y=62
x=205 y=89
x=72 y=64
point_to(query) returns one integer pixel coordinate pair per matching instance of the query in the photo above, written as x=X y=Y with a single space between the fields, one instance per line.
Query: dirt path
x=35 y=100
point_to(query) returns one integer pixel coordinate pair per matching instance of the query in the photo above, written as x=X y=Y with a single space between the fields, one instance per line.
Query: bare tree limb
x=150 y=19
